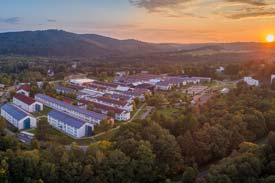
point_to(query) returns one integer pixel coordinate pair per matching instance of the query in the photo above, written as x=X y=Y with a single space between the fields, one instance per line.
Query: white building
x=250 y=81
x=17 y=117
x=81 y=82
x=69 y=125
x=220 y=69
x=124 y=105
x=272 y=78
x=164 y=85
x=225 y=91
x=74 y=111
x=119 y=114
x=24 y=89
x=27 y=103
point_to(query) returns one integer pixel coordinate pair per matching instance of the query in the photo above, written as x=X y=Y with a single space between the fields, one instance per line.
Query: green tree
x=189 y=175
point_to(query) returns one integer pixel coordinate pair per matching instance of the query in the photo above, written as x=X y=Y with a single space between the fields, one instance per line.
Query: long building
x=17 y=117
x=119 y=114
x=74 y=111
x=69 y=125
x=113 y=103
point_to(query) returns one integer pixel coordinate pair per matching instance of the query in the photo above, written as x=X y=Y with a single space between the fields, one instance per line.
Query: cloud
x=11 y=20
x=51 y=20
x=155 y=5
x=250 y=11
x=251 y=2
x=251 y=15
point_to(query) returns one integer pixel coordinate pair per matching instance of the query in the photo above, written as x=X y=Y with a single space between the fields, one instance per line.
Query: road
x=147 y=112
x=84 y=148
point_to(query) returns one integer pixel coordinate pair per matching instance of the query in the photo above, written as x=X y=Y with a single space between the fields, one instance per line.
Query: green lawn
x=107 y=136
x=55 y=135
x=33 y=131
x=45 y=111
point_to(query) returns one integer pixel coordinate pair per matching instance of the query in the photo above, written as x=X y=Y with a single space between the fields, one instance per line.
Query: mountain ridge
x=55 y=42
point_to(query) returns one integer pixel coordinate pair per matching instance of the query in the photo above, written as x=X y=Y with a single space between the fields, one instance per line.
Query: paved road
x=147 y=112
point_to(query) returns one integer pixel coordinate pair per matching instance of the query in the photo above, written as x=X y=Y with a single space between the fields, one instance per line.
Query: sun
x=270 y=38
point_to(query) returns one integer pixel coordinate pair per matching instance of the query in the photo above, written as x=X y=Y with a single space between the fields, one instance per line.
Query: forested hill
x=60 y=43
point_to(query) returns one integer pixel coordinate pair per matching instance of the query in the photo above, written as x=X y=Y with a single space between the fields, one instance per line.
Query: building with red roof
x=118 y=114
x=24 y=89
x=27 y=103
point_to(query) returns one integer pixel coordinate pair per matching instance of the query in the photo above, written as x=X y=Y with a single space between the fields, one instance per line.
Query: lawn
x=33 y=131
x=45 y=112
x=107 y=136
x=55 y=135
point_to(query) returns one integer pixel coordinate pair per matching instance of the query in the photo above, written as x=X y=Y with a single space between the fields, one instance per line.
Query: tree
x=3 y=125
x=116 y=168
x=189 y=175
x=42 y=129
x=270 y=179
x=271 y=139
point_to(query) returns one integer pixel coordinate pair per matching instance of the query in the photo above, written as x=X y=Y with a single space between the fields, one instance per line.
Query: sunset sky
x=181 y=21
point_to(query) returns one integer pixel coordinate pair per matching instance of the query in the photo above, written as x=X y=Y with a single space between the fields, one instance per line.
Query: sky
x=172 y=21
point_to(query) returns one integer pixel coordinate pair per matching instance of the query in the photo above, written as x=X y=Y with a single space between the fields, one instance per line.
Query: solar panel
x=15 y=112
x=66 y=119
x=72 y=107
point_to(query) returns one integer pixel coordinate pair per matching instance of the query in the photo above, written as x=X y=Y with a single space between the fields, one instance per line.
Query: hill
x=66 y=44
x=61 y=43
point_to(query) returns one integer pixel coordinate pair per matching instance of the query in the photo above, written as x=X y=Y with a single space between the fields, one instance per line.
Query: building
x=136 y=79
x=118 y=114
x=17 y=117
x=250 y=81
x=27 y=103
x=202 y=79
x=113 y=103
x=80 y=82
x=220 y=69
x=72 y=126
x=272 y=78
x=65 y=90
x=24 y=89
x=164 y=85
x=116 y=96
x=74 y=111
x=50 y=73
x=225 y=91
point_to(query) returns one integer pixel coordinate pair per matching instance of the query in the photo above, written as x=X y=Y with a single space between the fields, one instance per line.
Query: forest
x=161 y=148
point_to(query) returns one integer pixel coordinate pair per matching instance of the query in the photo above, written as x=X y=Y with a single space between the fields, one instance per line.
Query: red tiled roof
x=24 y=98
x=101 y=106
x=25 y=87
x=112 y=101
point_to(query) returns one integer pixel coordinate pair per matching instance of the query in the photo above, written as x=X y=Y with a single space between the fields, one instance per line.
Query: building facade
x=69 y=125
x=17 y=117
x=27 y=103
x=74 y=111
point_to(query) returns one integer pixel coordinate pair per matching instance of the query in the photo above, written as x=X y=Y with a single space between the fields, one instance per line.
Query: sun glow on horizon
x=270 y=38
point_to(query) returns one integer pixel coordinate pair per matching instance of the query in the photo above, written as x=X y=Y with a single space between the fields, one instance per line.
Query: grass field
x=45 y=111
